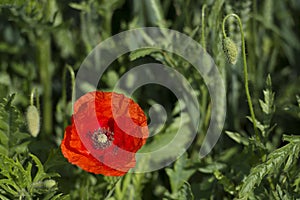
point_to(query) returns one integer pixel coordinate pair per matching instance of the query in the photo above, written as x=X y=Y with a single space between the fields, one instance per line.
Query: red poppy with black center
x=107 y=130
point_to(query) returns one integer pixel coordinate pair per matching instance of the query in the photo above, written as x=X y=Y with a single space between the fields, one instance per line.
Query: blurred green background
x=41 y=40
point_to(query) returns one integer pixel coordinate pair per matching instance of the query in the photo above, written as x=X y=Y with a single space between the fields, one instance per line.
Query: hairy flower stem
x=64 y=94
x=33 y=93
x=43 y=61
x=203 y=42
x=113 y=184
x=245 y=70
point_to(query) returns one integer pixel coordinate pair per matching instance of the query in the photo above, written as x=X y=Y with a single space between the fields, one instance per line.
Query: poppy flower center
x=101 y=138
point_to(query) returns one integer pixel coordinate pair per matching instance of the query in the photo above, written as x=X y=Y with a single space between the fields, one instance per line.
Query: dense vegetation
x=44 y=42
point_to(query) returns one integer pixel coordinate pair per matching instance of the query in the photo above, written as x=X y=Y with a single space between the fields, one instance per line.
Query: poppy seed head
x=102 y=138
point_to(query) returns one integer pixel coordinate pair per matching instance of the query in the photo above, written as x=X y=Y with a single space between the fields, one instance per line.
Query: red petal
x=73 y=149
x=117 y=113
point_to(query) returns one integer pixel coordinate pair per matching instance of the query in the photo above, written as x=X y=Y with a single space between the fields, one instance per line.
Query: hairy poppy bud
x=230 y=50
x=49 y=183
x=33 y=120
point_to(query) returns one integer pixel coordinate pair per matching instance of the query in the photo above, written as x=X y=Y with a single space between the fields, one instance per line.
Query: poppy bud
x=230 y=50
x=33 y=120
x=49 y=183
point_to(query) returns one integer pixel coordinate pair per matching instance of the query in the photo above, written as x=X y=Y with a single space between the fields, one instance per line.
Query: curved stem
x=34 y=92
x=203 y=28
x=245 y=69
x=32 y=96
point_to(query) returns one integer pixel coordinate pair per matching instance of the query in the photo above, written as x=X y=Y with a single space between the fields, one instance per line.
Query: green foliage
x=183 y=193
x=287 y=154
x=180 y=173
x=267 y=105
x=17 y=181
x=11 y=3
x=12 y=139
x=22 y=175
x=38 y=39
x=268 y=108
x=142 y=53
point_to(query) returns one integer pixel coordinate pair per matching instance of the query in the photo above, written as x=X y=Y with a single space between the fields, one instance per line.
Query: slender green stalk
x=254 y=39
x=34 y=92
x=43 y=61
x=112 y=189
x=32 y=96
x=64 y=95
x=203 y=42
x=245 y=69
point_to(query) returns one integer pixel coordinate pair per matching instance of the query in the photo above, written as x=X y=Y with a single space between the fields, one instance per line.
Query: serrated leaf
x=274 y=161
x=17 y=179
x=226 y=182
x=52 y=196
x=259 y=125
x=80 y=6
x=179 y=174
x=9 y=186
x=142 y=53
x=10 y=122
x=291 y=138
x=267 y=105
x=238 y=138
x=3 y=197
x=211 y=168
x=185 y=192
x=40 y=175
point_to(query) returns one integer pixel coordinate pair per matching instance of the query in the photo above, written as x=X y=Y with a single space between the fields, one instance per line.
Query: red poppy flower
x=107 y=130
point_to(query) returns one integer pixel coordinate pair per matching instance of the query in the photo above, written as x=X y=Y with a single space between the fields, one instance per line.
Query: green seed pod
x=33 y=120
x=230 y=50
x=49 y=183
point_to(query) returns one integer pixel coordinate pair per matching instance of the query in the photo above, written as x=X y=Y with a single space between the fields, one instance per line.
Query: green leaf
x=163 y=138
x=41 y=174
x=142 y=53
x=55 y=159
x=80 y=6
x=267 y=105
x=3 y=197
x=154 y=12
x=11 y=3
x=291 y=138
x=226 y=182
x=10 y=186
x=185 y=192
x=274 y=161
x=180 y=173
x=238 y=138
x=17 y=179
x=211 y=168
x=281 y=194
x=11 y=139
